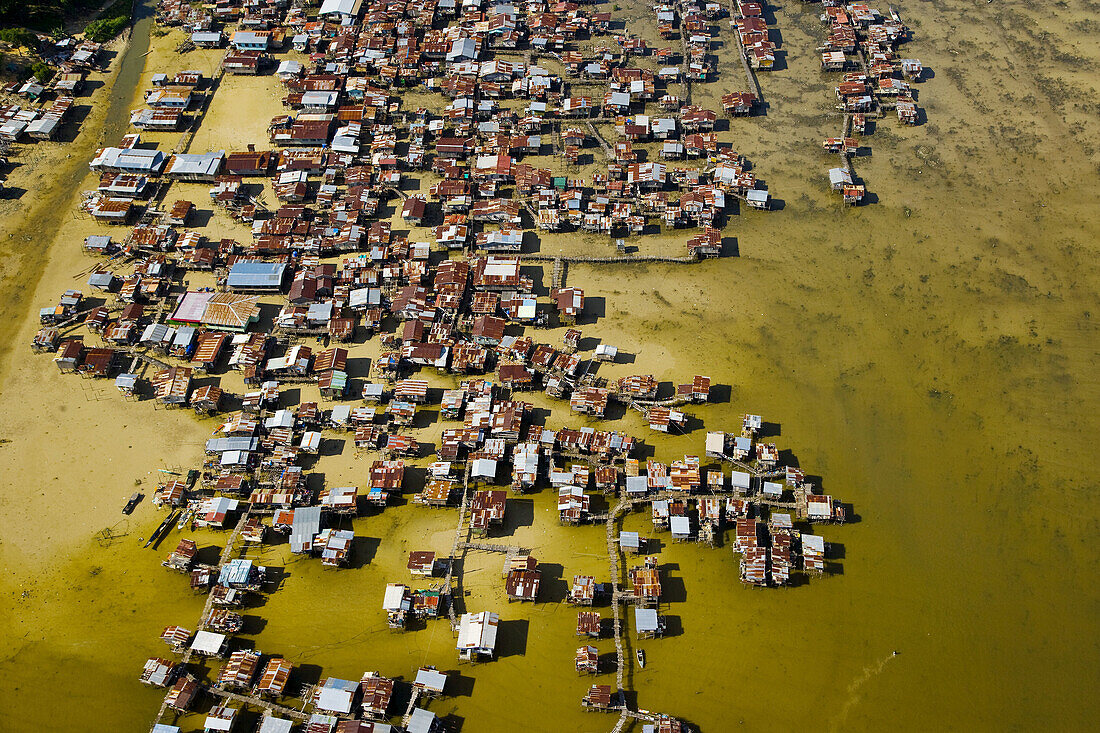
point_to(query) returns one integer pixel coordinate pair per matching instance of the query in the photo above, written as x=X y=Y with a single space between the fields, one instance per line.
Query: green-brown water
x=932 y=357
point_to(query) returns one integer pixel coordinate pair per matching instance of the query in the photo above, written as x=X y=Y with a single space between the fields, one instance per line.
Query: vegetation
x=110 y=22
x=43 y=15
x=104 y=29
x=41 y=71
x=19 y=37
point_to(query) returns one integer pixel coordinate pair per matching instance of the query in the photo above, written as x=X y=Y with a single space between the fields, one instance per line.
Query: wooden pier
x=617 y=260
x=685 y=64
x=458 y=542
x=844 y=133
x=614 y=554
x=557 y=278
x=413 y=700
x=486 y=547
x=607 y=151
x=259 y=702
x=750 y=75
x=186 y=657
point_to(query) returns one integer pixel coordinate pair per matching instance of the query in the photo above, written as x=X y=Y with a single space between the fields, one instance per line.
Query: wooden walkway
x=222 y=560
x=557 y=278
x=614 y=553
x=486 y=547
x=845 y=131
x=750 y=75
x=607 y=150
x=145 y=357
x=259 y=702
x=685 y=64
x=415 y=698
x=458 y=542
x=621 y=259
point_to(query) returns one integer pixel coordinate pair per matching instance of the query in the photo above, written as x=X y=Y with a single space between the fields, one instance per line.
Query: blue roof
x=248 y=275
x=236 y=572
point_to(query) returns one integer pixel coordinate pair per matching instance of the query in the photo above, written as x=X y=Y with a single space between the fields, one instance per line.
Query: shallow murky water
x=931 y=357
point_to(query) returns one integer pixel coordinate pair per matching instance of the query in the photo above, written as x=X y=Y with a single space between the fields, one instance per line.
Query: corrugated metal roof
x=256 y=275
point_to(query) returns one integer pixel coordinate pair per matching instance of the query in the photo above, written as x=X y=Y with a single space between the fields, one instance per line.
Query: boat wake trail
x=869 y=672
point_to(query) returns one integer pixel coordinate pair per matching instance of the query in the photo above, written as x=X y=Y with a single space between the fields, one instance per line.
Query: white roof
x=813 y=542
x=484 y=467
x=716 y=442
x=839 y=175
x=757 y=195
x=270 y=724
x=196 y=164
x=208 y=642
x=334 y=699
x=681 y=526
x=340 y=7
x=781 y=521
x=218 y=723
x=645 y=619
x=527 y=309
x=740 y=480
x=463 y=48
x=289 y=66
x=345 y=144
x=322 y=98
x=362 y=297
x=45 y=125
x=421 y=721
x=311 y=440
x=500 y=267
x=394 y=598
x=234 y=458
x=281 y=419
x=478 y=631
x=431 y=679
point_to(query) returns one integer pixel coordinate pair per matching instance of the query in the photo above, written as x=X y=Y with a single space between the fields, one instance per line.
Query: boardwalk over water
x=222 y=560
x=254 y=701
x=750 y=75
x=609 y=260
x=557 y=278
x=458 y=542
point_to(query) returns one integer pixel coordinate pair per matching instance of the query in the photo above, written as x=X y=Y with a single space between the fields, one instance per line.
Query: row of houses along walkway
x=226 y=554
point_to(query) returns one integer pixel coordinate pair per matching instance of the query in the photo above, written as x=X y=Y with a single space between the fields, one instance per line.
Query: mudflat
x=931 y=356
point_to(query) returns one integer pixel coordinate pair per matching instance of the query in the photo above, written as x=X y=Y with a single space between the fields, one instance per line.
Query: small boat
x=162 y=529
x=184 y=518
x=130 y=505
x=641 y=658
